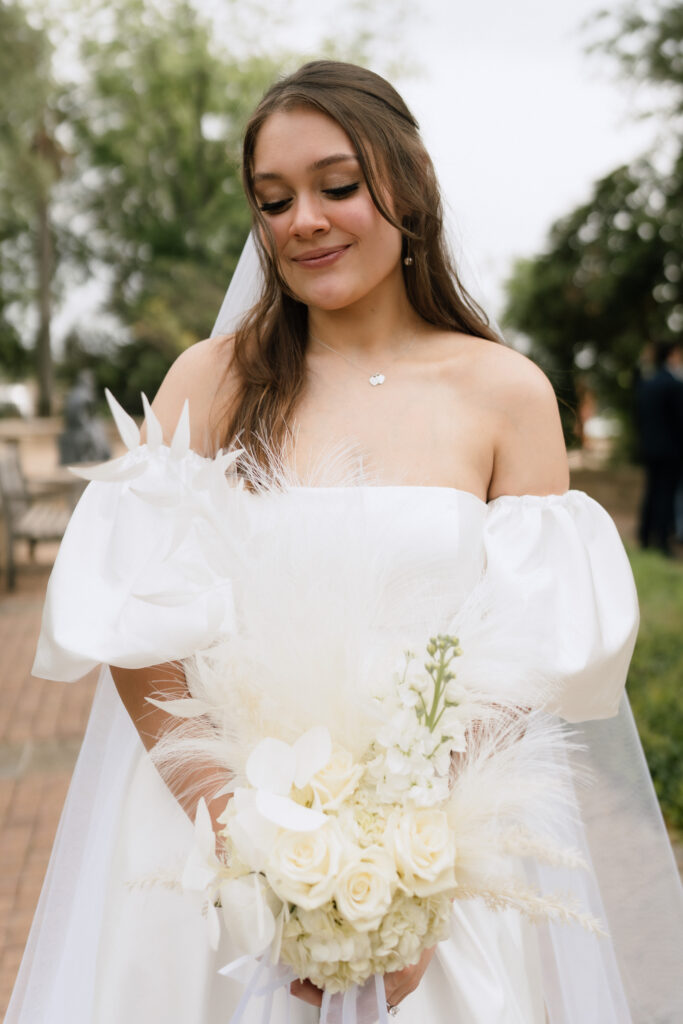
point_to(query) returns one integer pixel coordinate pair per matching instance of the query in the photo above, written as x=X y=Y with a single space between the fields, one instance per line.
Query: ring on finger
x=393 y=1010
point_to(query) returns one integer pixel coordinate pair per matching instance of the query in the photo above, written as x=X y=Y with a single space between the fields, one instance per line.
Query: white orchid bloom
x=273 y=767
x=203 y=870
x=249 y=908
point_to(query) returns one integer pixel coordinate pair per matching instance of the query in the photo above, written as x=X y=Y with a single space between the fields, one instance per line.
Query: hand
x=397 y=984
x=307 y=991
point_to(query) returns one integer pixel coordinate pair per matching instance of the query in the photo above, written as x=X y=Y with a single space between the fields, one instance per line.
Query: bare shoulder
x=201 y=376
x=519 y=405
x=513 y=376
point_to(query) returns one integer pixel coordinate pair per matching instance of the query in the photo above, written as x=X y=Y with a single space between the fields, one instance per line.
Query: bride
x=381 y=418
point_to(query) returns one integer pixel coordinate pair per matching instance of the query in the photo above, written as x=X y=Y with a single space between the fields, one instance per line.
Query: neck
x=377 y=325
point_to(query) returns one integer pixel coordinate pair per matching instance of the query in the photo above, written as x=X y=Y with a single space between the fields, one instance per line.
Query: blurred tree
x=157 y=125
x=609 y=280
x=31 y=160
x=644 y=38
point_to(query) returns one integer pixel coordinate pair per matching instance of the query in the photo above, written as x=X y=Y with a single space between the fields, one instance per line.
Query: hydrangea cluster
x=321 y=944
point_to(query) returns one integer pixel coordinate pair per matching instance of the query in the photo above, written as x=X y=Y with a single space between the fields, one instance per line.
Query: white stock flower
x=452 y=725
x=455 y=691
x=423 y=847
x=401 y=730
x=334 y=783
x=302 y=867
x=365 y=886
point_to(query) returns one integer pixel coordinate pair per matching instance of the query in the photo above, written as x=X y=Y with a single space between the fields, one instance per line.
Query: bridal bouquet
x=344 y=866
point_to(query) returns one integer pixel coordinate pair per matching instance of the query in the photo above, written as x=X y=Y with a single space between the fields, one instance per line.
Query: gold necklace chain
x=375 y=379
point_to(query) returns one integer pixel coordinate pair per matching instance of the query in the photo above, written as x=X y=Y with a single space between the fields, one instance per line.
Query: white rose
x=423 y=846
x=337 y=780
x=302 y=867
x=365 y=887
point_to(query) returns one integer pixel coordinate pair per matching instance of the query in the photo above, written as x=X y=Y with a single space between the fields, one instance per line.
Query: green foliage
x=645 y=41
x=27 y=165
x=609 y=280
x=15 y=359
x=157 y=124
x=654 y=682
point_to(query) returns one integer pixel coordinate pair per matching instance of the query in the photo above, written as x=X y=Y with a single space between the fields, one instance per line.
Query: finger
x=306 y=991
x=396 y=992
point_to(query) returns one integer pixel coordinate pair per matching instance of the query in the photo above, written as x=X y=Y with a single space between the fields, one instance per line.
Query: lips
x=320 y=257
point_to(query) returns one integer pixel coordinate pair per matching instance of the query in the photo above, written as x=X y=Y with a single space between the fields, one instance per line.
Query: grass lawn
x=655 y=682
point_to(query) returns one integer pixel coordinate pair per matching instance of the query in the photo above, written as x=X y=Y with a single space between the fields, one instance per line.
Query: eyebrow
x=327 y=161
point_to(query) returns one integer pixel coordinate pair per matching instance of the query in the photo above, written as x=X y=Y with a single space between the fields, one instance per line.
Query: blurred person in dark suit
x=659 y=414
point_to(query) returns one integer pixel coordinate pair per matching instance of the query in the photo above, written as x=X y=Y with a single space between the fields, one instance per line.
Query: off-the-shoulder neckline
x=541 y=498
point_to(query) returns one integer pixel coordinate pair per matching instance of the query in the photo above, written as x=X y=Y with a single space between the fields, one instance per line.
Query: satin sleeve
x=139 y=579
x=559 y=562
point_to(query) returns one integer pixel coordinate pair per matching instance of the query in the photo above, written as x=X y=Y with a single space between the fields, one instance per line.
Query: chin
x=333 y=295
x=328 y=298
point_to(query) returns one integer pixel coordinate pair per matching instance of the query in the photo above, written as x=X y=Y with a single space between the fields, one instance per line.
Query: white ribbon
x=276 y=976
x=266 y=979
x=381 y=994
x=349 y=1006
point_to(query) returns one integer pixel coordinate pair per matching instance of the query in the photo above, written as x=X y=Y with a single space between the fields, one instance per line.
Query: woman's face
x=333 y=245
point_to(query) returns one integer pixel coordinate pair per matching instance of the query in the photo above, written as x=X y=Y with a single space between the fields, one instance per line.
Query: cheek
x=381 y=240
x=384 y=242
x=278 y=235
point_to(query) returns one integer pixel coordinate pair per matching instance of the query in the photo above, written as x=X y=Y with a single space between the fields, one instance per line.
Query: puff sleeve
x=560 y=563
x=137 y=580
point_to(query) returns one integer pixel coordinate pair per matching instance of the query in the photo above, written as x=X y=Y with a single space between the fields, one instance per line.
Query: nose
x=308 y=216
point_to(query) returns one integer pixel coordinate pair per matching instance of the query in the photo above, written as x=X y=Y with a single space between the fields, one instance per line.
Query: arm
x=529 y=451
x=134 y=687
x=196 y=376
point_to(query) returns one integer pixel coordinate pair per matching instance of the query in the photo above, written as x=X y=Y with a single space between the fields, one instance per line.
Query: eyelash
x=333 y=193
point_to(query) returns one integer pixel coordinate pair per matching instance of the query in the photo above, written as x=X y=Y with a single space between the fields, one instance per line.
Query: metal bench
x=35 y=513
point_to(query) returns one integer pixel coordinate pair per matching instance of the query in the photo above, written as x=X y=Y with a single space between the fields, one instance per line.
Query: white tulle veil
x=634 y=975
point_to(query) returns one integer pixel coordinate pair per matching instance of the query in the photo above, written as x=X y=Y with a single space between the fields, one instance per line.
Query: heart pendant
x=377 y=378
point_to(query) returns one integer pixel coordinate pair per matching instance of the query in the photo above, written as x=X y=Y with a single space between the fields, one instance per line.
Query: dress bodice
x=166 y=554
x=409 y=544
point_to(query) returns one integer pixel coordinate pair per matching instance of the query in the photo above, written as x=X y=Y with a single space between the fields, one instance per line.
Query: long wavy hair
x=271 y=340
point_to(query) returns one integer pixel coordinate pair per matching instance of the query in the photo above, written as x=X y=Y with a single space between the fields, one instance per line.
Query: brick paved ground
x=41 y=726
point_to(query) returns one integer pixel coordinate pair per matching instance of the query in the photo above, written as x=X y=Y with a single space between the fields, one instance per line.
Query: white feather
x=323 y=618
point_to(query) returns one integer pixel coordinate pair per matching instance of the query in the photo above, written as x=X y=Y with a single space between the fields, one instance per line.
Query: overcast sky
x=519 y=120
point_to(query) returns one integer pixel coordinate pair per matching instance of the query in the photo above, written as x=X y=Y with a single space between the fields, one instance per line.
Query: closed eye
x=276 y=207
x=340 y=192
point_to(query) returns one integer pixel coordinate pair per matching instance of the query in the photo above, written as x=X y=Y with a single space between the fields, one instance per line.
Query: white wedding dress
x=157 y=563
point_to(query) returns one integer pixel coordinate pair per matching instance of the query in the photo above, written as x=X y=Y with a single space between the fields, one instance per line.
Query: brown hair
x=270 y=342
